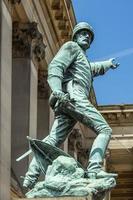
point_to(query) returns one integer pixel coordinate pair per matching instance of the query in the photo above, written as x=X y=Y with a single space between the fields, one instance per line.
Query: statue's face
x=83 y=38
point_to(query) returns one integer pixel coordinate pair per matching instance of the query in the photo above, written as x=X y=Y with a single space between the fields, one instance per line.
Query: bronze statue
x=70 y=76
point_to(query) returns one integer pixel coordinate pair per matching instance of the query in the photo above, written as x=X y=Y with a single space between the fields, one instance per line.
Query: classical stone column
x=5 y=100
x=28 y=50
x=43 y=105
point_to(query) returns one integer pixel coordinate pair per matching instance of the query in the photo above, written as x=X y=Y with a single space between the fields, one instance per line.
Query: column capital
x=28 y=41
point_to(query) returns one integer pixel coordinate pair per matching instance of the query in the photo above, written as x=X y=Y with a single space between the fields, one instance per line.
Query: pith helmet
x=83 y=26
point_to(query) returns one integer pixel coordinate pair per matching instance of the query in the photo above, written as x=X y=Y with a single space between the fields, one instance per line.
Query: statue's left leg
x=100 y=144
x=93 y=119
x=97 y=123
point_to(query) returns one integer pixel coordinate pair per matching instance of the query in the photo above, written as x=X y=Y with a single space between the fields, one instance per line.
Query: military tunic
x=71 y=63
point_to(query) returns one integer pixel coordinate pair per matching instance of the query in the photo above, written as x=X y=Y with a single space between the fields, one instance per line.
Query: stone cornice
x=118 y=114
x=62 y=15
x=116 y=108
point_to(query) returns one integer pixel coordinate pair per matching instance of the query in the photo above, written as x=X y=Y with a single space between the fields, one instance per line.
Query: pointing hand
x=115 y=64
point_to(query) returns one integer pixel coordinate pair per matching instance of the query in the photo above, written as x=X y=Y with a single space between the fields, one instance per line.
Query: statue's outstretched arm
x=99 y=68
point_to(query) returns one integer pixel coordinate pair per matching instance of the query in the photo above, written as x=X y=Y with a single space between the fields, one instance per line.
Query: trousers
x=63 y=125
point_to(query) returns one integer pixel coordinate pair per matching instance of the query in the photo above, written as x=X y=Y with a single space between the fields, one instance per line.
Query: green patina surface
x=70 y=77
x=65 y=178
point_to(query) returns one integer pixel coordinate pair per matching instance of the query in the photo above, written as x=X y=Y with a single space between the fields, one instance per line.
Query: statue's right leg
x=61 y=128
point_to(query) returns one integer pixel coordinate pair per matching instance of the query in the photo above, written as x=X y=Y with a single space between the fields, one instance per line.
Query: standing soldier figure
x=70 y=75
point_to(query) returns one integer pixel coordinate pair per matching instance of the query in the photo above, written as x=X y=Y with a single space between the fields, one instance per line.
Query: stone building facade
x=31 y=32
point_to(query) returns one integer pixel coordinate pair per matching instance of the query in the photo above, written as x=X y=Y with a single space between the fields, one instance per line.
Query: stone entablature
x=118 y=114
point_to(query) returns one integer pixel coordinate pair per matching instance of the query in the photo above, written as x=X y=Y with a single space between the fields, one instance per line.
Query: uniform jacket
x=71 y=63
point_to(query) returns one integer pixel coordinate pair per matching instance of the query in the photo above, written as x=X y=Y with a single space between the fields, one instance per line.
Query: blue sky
x=112 y=21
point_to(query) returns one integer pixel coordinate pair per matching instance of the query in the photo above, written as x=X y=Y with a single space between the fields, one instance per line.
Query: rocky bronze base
x=58 y=198
x=94 y=189
x=65 y=177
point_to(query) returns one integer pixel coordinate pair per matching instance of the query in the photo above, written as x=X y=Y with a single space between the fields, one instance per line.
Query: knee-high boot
x=98 y=151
